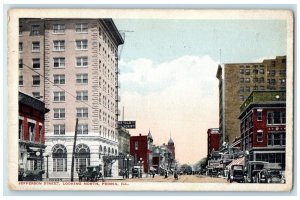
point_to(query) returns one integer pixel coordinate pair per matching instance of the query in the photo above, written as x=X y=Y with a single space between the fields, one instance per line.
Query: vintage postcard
x=150 y=100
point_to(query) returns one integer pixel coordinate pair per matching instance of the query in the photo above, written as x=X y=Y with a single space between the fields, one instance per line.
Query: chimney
x=140 y=134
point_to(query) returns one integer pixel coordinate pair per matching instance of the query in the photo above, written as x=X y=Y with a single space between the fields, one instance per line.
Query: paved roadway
x=183 y=178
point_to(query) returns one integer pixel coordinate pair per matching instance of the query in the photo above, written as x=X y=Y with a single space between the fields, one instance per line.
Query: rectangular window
x=81 y=28
x=59 y=45
x=35 y=29
x=20 y=46
x=36 y=80
x=241 y=80
x=82 y=95
x=82 y=78
x=259 y=136
x=59 y=113
x=36 y=63
x=59 y=129
x=247 y=80
x=21 y=129
x=136 y=145
x=247 y=72
x=35 y=46
x=81 y=44
x=255 y=80
x=247 y=88
x=82 y=112
x=58 y=28
x=82 y=129
x=59 y=96
x=20 y=30
x=59 y=62
x=273 y=72
x=276 y=139
x=241 y=71
x=31 y=131
x=20 y=80
x=262 y=71
x=59 y=78
x=36 y=95
x=20 y=63
x=261 y=87
x=82 y=61
x=259 y=115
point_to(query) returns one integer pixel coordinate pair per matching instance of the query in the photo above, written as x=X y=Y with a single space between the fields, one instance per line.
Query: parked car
x=271 y=176
x=253 y=168
x=236 y=173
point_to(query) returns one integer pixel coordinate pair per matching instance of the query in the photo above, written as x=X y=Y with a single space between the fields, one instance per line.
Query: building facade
x=72 y=64
x=237 y=81
x=213 y=139
x=31 y=133
x=124 y=143
x=141 y=150
x=263 y=127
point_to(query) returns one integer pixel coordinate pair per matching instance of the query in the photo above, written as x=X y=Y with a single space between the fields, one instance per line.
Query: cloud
x=259 y=60
x=178 y=97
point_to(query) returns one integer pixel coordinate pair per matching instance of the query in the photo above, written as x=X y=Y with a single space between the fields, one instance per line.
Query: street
x=183 y=178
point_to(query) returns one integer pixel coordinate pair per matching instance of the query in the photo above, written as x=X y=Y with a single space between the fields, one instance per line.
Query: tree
x=201 y=163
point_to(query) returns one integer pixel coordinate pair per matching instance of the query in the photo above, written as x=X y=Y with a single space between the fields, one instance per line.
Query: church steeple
x=170 y=140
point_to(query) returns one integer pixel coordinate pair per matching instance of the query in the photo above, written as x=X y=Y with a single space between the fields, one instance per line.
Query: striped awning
x=239 y=161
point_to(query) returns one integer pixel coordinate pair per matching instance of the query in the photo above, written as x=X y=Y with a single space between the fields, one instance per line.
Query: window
x=82 y=157
x=36 y=63
x=273 y=72
x=20 y=63
x=21 y=129
x=82 y=112
x=20 y=30
x=276 y=117
x=261 y=79
x=276 y=139
x=241 y=71
x=82 y=78
x=241 y=80
x=261 y=71
x=31 y=131
x=81 y=28
x=59 y=155
x=59 y=129
x=261 y=87
x=20 y=46
x=82 y=61
x=59 y=78
x=59 y=45
x=82 y=129
x=282 y=72
x=259 y=115
x=259 y=136
x=59 y=113
x=282 y=81
x=247 y=72
x=136 y=145
x=58 y=28
x=255 y=80
x=36 y=80
x=81 y=44
x=36 y=95
x=247 y=80
x=82 y=95
x=247 y=88
x=35 y=29
x=35 y=46
x=241 y=89
x=20 y=80
x=59 y=96
x=59 y=62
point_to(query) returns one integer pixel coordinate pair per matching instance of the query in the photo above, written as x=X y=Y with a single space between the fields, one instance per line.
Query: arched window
x=108 y=150
x=59 y=156
x=116 y=152
x=82 y=156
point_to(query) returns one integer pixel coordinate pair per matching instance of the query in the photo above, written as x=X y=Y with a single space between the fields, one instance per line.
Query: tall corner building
x=72 y=65
x=237 y=81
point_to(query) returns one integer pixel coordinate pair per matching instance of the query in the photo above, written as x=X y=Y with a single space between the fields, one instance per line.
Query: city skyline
x=154 y=80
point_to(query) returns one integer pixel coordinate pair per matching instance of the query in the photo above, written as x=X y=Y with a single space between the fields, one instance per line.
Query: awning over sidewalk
x=239 y=161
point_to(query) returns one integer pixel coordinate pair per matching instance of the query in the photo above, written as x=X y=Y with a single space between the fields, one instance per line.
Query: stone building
x=72 y=65
x=237 y=81
x=124 y=143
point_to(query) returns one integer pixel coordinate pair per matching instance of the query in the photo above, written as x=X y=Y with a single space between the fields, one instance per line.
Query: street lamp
x=47 y=156
x=141 y=162
x=127 y=160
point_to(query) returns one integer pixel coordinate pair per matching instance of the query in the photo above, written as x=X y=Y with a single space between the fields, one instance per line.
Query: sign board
x=127 y=124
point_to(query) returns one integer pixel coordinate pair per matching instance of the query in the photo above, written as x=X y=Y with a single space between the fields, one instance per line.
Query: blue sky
x=168 y=73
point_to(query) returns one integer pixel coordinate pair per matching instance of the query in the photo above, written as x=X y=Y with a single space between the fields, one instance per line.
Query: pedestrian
x=166 y=174
x=80 y=175
x=123 y=173
x=153 y=174
x=175 y=175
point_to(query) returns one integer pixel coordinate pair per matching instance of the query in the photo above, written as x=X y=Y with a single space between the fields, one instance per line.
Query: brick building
x=237 y=81
x=141 y=150
x=31 y=132
x=263 y=127
x=213 y=139
x=72 y=65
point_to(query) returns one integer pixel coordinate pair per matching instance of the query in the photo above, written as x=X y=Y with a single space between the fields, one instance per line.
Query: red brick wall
x=213 y=140
x=141 y=152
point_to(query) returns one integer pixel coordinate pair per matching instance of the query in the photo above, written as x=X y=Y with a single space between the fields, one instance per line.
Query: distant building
x=213 y=139
x=237 y=81
x=263 y=127
x=171 y=149
x=124 y=143
x=141 y=150
x=31 y=133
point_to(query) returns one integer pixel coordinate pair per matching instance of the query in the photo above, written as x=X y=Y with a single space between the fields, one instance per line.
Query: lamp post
x=127 y=160
x=47 y=156
x=141 y=162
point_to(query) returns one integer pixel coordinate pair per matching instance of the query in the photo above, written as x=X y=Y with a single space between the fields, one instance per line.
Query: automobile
x=135 y=172
x=33 y=175
x=253 y=169
x=236 y=173
x=211 y=172
x=91 y=174
x=271 y=176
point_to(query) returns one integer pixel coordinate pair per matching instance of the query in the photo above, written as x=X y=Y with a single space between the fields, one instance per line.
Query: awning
x=239 y=161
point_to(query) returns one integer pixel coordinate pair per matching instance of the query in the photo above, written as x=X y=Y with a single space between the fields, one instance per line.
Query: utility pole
x=73 y=153
x=123 y=114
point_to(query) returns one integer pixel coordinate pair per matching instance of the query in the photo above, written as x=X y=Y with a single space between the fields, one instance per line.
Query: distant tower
x=171 y=147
